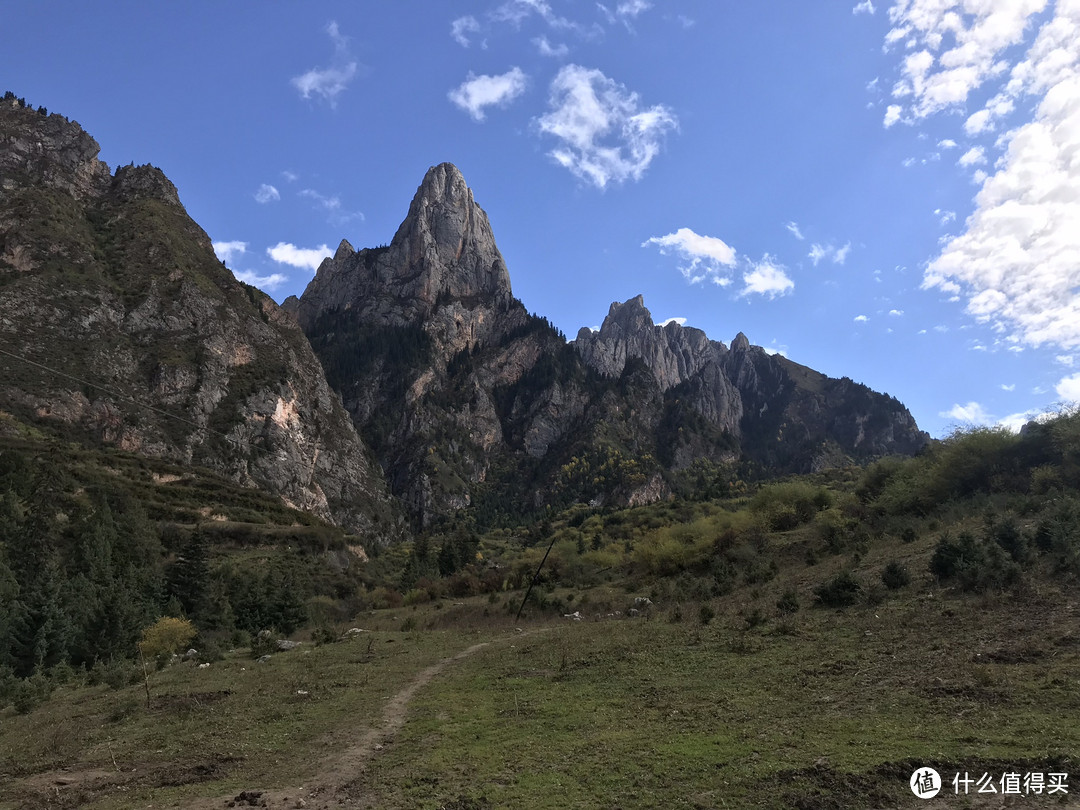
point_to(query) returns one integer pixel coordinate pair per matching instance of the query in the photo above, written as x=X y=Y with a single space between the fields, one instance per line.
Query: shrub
x=895 y=576
x=788 y=602
x=840 y=591
x=973 y=564
x=706 y=614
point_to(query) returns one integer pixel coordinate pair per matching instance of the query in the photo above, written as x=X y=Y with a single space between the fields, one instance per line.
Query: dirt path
x=338 y=782
x=336 y=785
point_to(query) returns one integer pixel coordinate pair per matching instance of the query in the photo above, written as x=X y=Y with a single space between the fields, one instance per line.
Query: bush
x=706 y=614
x=975 y=565
x=840 y=591
x=30 y=693
x=788 y=602
x=895 y=576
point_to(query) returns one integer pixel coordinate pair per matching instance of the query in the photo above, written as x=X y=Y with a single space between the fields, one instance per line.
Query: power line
x=126 y=398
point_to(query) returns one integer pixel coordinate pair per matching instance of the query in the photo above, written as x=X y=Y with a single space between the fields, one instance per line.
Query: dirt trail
x=335 y=786
x=338 y=784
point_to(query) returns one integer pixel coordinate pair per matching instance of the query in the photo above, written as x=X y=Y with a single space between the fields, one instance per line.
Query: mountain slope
x=118 y=324
x=469 y=400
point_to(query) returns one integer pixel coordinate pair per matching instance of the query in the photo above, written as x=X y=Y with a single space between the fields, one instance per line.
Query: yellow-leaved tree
x=164 y=637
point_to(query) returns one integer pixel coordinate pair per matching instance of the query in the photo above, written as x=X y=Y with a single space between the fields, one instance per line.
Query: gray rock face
x=442 y=271
x=179 y=359
x=673 y=353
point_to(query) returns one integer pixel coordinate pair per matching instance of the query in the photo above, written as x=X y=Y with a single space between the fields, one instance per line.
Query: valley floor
x=672 y=709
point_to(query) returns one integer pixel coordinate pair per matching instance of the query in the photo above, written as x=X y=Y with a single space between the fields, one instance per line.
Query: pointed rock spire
x=446 y=241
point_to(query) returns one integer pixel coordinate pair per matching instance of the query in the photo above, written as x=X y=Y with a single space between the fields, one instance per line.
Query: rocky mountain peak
x=40 y=149
x=628 y=332
x=446 y=240
x=629 y=316
x=442 y=271
x=741 y=343
x=144 y=182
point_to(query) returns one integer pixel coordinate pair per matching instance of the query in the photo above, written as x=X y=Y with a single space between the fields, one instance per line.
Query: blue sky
x=884 y=190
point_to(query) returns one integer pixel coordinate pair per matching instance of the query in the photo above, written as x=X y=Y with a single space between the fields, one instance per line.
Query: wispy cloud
x=270 y=282
x=606 y=135
x=861 y=319
x=971 y=414
x=794 y=228
x=267 y=193
x=332 y=203
x=705 y=257
x=303 y=258
x=329 y=82
x=865 y=7
x=462 y=27
x=666 y=321
x=766 y=277
x=545 y=48
x=227 y=251
x=837 y=255
x=478 y=92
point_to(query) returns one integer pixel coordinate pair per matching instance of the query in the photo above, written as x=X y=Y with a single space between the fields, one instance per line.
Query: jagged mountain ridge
x=461 y=391
x=465 y=398
x=106 y=280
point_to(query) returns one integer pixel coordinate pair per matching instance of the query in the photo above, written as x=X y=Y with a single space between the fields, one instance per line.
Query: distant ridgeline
x=441 y=393
x=470 y=401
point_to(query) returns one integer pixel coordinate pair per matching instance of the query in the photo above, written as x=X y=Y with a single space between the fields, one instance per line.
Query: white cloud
x=679 y=321
x=331 y=81
x=462 y=27
x=834 y=254
x=1018 y=262
x=304 y=258
x=478 y=92
x=892 y=115
x=515 y=12
x=972 y=413
x=226 y=251
x=865 y=7
x=947 y=143
x=290 y=177
x=944 y=217
x=1065 y=359
x=973 y=157
x=545 y=48
x=706 y=256
x=1016 y=421
x=1068 y=389
x=632 y=8
x=954 y=47
x=794 y=228
x=1011 y=387
x=267 y=193
x=606 y=136
x=767 y=277
x=896 y=313
x=270 y=282
x=861 y=319
x=329 y=203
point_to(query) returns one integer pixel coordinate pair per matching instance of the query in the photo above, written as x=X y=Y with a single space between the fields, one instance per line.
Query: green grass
x=675 y=715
